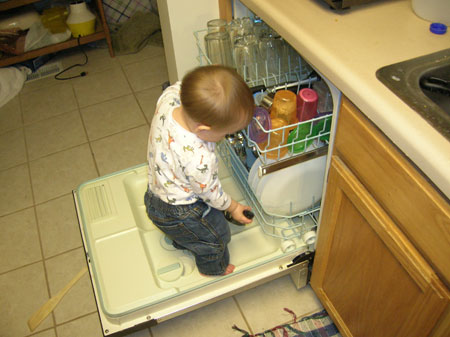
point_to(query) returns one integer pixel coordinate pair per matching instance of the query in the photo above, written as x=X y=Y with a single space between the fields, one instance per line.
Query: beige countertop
x=347 y=47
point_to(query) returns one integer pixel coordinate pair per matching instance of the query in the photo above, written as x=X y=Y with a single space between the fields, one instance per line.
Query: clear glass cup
x=218 y=48
x=234 y=28
x=239 y=28
x=269 y=54
x=283 y=52
x=247 y=26
x=260 y=28
x=217 y=25
x=248 y=59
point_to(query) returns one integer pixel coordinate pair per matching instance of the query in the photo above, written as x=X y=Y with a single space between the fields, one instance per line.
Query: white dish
x=292 y=190
x=253 y=174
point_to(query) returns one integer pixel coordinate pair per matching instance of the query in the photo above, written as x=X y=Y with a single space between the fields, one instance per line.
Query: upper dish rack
x=296 y=69
x=299 y=74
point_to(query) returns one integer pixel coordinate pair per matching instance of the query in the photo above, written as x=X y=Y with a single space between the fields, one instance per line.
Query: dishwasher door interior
x=139 y=278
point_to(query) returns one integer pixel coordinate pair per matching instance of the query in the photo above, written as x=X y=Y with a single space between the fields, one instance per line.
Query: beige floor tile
x=213 y=320
x=23 y=291
x=46 y=333
x=10 y=115
x=21 y=240
x=47 y=102
x=58 y=226
x=79 y=301
x=263 y=306
x=148 y=51
x=147 y=100
x=16 y=189
x=12 y=149
x=40 y=84
x=58 y=174
x=147 y=74
x=98 y=61
x=87 y=326
x=54 y=134
x=140 y=333
x=100 y=87
x=107 y=118
x=121 y=151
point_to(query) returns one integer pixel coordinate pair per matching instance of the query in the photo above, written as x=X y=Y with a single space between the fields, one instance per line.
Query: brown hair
x=216 y=96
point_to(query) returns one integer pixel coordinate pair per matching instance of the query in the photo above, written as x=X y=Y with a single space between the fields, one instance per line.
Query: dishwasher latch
x=301 y=269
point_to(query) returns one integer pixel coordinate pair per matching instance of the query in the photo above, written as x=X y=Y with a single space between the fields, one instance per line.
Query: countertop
x=347 y=47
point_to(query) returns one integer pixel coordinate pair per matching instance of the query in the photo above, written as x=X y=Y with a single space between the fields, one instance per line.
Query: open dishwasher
x=140 y=279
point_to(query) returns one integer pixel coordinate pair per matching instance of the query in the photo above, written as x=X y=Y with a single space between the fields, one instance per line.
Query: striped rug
x=315 y=325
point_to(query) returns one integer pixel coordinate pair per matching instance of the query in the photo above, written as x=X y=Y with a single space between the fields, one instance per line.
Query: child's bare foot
x=228 y=270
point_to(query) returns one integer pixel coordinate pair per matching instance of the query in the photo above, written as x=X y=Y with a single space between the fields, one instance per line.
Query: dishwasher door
x=140 y=279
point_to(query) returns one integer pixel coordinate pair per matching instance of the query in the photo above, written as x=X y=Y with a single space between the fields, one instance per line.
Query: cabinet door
x=369 y=277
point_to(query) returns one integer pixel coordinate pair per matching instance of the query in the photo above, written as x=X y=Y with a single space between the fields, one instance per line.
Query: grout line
x=65 y=252
x=42 y=331
x=86 y=133
x=35 y=204
x=141 y=108
x=41 y=247
x=243 y=315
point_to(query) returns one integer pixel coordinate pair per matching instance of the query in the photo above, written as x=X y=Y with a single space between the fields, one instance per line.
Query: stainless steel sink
x=424 y=84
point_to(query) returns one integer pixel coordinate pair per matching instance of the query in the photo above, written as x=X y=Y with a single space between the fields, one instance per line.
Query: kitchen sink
x=424 y=84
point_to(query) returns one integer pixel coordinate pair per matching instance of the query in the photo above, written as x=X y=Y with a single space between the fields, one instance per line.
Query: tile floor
x=55 y=135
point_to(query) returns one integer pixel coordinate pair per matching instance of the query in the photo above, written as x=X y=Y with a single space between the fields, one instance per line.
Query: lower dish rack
x=284 y=227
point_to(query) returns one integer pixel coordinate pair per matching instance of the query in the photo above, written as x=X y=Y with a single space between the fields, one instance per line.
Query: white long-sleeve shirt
x=182 y=167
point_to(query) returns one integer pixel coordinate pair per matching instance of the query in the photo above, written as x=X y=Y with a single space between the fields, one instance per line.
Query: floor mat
x=315 y=325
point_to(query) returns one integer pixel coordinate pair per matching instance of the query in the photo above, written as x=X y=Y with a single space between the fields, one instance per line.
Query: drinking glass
x=240 y=28
x=260 y=28
x=247 y=58
x=269 y=54
x=283 y=52
x=218 y=48
x=217 y=25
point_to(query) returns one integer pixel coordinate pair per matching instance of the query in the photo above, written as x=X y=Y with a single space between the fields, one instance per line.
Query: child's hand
x=237 y=212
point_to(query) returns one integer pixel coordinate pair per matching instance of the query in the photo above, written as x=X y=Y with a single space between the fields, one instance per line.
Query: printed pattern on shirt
x=182 y=167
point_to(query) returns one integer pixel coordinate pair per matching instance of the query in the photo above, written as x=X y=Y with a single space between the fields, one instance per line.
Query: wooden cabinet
x=102 y=32
x=373 y=272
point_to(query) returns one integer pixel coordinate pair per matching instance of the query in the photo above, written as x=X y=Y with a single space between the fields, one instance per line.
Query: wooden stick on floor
x=51 y=304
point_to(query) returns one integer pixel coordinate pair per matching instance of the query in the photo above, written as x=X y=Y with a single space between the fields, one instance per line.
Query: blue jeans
x=196 y=227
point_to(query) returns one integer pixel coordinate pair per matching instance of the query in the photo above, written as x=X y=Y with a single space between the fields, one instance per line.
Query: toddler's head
x=217 y=98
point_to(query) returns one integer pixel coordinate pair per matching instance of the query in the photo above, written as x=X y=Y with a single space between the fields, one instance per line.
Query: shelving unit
x=102 y=32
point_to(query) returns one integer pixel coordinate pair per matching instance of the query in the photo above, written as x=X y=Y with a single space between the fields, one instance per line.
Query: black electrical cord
x=83 y=73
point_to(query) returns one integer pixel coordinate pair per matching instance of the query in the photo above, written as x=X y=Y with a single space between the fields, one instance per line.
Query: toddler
x=185 y=198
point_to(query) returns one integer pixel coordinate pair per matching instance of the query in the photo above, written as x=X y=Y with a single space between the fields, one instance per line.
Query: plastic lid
x=438 y=28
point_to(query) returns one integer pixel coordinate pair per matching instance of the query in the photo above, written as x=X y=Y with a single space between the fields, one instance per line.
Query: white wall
x=179 y=19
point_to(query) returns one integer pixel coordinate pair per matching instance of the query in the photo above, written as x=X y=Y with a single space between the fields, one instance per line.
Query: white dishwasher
x=139 y=279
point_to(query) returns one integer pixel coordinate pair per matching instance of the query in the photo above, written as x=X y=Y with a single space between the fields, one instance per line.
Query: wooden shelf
x=4 y=6
x=101 y=33
x=8 y=60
